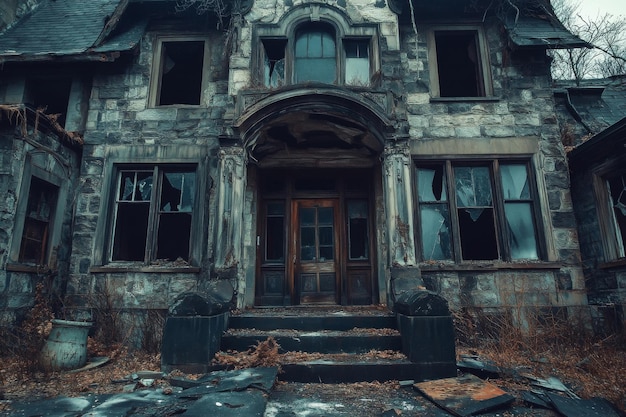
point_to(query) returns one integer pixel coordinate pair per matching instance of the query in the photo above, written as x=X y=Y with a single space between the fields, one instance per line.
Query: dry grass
x=549 y=346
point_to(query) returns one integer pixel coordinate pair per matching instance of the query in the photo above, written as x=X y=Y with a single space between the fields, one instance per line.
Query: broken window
x=51 y=95
x=480 y=223
x=274 y=62
x=42 y=200
x=357 y=62
x=617 y=195
x=315 y=54
x=179 y=72
x=460 y=66
x=153 y=216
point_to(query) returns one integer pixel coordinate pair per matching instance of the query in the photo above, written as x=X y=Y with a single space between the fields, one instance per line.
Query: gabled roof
x=69 y=29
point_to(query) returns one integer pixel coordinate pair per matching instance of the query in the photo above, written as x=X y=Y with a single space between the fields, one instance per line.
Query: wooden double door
x=315 y=244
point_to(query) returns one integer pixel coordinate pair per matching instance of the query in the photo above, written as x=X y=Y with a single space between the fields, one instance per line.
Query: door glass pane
x=325 y=216
x=307 y=216
x=275 y=232
x=521 y=229
x=358 y=239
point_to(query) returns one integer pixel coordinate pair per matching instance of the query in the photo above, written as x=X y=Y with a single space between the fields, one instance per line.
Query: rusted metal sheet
x=465 y=395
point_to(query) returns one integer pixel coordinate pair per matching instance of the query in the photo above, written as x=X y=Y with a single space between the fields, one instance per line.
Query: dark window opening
x=42 y=200
x=181 y=73
x=458 y=64
x=617 y=189
x=315 y=54
x=475 y=212
x=50 y=95
x=274 y=62
x=145 y=230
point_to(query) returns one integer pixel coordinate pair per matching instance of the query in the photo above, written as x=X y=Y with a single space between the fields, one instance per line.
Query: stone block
x=191 y=342
x=430 y=342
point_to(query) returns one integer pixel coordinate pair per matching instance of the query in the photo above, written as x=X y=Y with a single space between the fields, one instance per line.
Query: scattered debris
x=482 y=368
x=552 y=383
x=576 y=407
x=464 y=395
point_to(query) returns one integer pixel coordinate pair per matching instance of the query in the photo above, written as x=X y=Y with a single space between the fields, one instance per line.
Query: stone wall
x=520 y=120
x=122 y=123
x=18 y=282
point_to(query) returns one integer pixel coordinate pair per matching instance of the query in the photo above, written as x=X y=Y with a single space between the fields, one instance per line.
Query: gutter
x=570 y=106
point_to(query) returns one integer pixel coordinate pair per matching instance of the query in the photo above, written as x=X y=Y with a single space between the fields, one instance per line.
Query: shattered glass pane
x=431 y=184
x=515 y=182
x=435 y=221
x=522 y=239
x=177 y=193
x=617 y=188
x=473 y=186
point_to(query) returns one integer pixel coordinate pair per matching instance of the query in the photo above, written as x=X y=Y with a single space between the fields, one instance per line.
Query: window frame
x=484 y=66
x=286 y=33
x=614 y=250
x=498 y=203
x=157 y=69
x=42 y=166
x=154 y=212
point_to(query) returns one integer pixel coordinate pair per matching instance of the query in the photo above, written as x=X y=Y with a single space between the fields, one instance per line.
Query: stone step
x=353 y=370
x=323 y=341
x=311 y=322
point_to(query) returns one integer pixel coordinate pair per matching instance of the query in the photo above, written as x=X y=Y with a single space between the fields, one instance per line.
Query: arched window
x=315 y=54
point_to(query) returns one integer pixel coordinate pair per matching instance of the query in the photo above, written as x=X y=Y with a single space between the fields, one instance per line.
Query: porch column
x=397 y=169
x=229 y=215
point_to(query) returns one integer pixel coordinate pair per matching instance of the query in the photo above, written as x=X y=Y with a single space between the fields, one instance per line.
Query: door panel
x=315 y=254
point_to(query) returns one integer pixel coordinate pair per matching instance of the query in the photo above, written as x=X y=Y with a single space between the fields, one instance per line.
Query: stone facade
x=406 y=121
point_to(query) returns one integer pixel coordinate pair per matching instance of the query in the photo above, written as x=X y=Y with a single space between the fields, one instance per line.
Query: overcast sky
x=592 y=8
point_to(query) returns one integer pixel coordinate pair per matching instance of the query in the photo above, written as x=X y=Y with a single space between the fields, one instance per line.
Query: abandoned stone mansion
x=294 y=152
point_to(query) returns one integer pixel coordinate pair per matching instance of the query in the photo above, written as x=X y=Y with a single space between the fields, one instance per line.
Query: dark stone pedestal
x=429 y=341
x=189 y=343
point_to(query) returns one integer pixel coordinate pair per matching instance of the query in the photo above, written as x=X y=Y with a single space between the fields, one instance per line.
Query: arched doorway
x=316 y=159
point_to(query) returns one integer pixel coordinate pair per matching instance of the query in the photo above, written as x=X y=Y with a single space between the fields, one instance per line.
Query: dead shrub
x=25 y=341
x=264 y=354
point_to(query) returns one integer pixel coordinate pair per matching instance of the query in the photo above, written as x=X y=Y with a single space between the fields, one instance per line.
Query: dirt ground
x=596 y=370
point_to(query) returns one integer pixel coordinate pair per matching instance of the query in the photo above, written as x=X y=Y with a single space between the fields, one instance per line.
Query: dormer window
x=317 y=51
